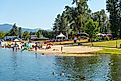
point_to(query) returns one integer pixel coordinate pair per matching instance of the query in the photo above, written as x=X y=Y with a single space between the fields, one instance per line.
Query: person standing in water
x=36 y=47
x=12 y=46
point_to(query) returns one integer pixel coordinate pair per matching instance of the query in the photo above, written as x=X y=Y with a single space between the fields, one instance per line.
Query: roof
x=61 y=35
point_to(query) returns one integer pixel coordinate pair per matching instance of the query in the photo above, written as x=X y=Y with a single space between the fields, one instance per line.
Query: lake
x=29 y=66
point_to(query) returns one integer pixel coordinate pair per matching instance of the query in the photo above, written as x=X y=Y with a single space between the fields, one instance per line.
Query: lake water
x=28 y=66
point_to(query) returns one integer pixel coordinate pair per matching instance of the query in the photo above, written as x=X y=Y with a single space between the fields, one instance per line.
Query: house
x=10 y=38
x=34 y=37
x=43 y=38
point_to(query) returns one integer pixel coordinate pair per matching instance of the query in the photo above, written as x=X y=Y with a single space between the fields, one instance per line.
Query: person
x=75 y=39
x=12 y=46
x=48 y=46
x=36 y=47
x=0 y=42
x=40 y=46
x=16 y=46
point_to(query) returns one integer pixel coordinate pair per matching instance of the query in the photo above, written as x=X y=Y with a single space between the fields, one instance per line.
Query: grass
x=109 y=51
x=109 y=44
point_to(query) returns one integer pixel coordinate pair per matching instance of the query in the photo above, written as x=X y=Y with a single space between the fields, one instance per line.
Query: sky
x=37 y=13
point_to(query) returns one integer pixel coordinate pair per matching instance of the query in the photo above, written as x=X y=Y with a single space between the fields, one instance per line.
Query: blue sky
x=37 y=13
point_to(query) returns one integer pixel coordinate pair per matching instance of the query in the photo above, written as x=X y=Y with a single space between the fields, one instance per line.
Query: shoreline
x=76 y=51
x=69 y=50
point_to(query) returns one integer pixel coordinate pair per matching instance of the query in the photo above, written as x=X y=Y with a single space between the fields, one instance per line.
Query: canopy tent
x=60 y=36
x=101 y=34
x=16 y=40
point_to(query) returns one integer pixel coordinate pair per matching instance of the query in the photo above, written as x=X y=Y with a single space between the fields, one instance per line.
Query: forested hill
x=7 y=27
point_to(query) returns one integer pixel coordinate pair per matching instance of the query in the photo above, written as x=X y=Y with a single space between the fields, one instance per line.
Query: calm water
x=28 y=66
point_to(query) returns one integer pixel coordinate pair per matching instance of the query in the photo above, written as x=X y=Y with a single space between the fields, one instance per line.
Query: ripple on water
x=28 y=66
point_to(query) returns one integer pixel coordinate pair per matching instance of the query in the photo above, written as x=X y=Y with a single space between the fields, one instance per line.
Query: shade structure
x=101 y=34
x=60 y=35
x=16 y=40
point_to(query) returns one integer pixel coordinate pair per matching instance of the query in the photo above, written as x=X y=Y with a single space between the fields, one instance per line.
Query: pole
x=116 y=43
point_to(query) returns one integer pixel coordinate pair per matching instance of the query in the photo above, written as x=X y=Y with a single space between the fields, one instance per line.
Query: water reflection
x=28 y=66
x=96 y=68
x=115 y=68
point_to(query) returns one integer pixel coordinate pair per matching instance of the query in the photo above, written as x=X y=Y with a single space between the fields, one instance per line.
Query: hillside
x=7 y=27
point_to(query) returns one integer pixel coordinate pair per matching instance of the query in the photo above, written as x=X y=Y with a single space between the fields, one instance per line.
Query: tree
x=13 y=31
x=114 y=9
x=82 y=14
x=56 y=25
x=102 y=18
x=20 y=32
x=2 y=34
x=38 y=33
x=73 y=19
x=26 y=35
x=92 y=29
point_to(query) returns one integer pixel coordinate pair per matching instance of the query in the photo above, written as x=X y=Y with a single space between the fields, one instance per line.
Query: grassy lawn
x=107 y=44
x=109 y=51
x=111 y=43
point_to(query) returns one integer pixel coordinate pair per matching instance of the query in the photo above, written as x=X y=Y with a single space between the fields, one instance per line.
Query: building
x=34 y=37
x=10 y=38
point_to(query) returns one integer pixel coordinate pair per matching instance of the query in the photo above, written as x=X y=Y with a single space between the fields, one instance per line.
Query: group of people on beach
x=26 y=45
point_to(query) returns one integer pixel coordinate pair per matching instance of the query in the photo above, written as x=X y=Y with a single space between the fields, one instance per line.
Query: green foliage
x=102 y=18
x=73 y=19
x=20 y=32
x=92 y=28
x=109 y=51
x=114 y=9
x=26 y=35
x=2 y=34
x=13 y=31
x=38 y=33
x=45 y=33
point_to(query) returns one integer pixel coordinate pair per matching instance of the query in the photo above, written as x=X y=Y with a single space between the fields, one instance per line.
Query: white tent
x=101 y=34
x=16 y=40
x=60 y=36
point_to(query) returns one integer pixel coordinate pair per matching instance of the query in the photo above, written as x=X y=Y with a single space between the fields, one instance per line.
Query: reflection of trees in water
x=115 y=68
x=77 y=68
x=14 y=65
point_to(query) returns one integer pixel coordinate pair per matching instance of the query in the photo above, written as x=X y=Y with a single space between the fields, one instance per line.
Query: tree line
x=114 y=9
x=17 y=31
x=79 y=18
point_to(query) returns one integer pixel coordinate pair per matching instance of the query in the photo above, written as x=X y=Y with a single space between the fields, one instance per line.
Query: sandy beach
x=62 y=50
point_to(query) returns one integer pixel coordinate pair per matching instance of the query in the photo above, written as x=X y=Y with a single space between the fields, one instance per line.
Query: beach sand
x=69 y=50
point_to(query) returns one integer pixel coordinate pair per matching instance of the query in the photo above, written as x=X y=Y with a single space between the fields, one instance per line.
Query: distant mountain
x=29 y=30
x=7 y=27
